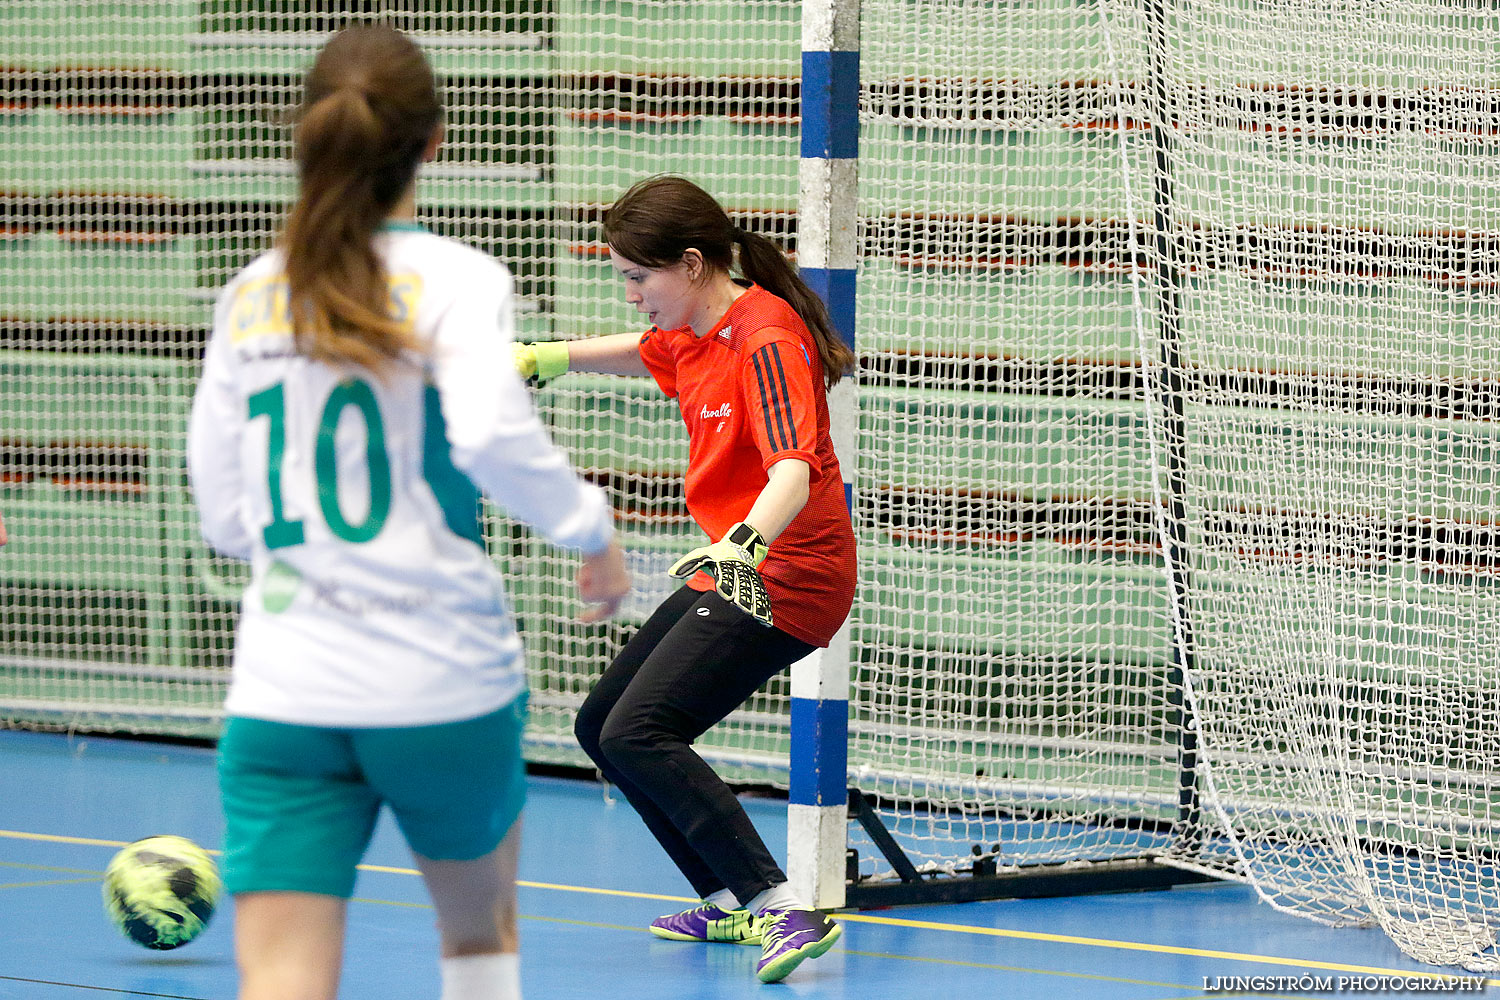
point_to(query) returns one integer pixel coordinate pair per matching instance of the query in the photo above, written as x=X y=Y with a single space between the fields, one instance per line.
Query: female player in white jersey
x=356 y=390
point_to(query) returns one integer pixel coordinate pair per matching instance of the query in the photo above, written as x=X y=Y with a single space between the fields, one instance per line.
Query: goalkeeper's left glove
x=731 y=561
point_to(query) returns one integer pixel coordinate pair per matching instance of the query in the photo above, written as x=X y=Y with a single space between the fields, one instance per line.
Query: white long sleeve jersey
x=372 y=601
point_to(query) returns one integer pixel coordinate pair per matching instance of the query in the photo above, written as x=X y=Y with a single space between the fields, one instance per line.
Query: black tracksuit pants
x=696 y=659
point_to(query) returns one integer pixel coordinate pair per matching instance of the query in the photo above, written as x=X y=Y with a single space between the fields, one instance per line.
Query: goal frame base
x=1040 y=881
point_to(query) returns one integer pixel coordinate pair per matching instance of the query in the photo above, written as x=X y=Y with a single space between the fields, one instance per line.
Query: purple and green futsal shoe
x=706 y=922
x=790 y=937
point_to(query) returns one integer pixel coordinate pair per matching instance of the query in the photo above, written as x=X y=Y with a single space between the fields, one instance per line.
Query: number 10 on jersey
x=356 y=393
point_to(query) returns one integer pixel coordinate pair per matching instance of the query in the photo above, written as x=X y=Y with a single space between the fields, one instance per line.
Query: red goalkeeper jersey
x=751 y=392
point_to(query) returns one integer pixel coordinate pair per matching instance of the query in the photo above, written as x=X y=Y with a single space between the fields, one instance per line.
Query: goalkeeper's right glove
x=732 y=562
x=543 y=362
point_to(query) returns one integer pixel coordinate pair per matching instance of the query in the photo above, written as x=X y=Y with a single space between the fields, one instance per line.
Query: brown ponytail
x=764 y=263
x=368 y=113
x=660 y=218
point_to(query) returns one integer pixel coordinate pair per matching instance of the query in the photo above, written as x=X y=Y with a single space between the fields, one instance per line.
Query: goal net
x=1178 y=329
x=1332 y=186
x=1175 y=471
x=145 y=158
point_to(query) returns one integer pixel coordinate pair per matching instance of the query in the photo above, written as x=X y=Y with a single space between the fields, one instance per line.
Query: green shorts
x=300 y=802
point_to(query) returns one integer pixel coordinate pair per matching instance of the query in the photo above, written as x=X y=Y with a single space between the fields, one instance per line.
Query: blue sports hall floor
x=592 y=880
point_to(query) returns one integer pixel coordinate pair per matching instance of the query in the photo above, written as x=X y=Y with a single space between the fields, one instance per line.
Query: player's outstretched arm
x=617 y=354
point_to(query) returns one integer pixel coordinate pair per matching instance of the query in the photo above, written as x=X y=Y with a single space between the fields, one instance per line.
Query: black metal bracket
x=985 y=882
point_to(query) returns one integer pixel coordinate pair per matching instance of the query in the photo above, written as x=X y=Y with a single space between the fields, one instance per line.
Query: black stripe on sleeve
x=785 y=397
x=761 y=378
x=774 y=398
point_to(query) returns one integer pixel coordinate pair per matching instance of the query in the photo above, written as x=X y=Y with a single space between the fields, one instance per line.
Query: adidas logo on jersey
x=726 y=333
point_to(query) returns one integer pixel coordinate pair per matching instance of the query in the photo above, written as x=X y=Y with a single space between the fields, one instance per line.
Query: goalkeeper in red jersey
x=748 y=362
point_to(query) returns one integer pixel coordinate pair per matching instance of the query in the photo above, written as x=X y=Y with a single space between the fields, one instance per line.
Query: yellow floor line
x=52 y=868
x=54 y=839
x=989 y=966
x=607 y=892
x=553 y=886
x=927 y=925
x=893 y=956
x=1161 y=949
x=55 y=881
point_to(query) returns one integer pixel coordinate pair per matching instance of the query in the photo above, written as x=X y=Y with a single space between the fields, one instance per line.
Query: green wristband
x=551 y=359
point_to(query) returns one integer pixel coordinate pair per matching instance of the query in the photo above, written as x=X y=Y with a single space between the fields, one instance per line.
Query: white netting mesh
x=144 y=150
x=1011 y=689
x=1334 y=176
x=1310 y=407
x=1307 y=414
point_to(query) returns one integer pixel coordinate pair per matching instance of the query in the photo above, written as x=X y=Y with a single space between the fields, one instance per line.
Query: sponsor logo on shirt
x=335 y=595
x=726 y=333
x=279 y=587
x=262 y=308
x=283 y=583
x=720 y=411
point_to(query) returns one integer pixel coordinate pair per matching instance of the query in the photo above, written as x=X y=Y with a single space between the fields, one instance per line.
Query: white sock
x=724 y=900
x=778 y=897
x=495 y=976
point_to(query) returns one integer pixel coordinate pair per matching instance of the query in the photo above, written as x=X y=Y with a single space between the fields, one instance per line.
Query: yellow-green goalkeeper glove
x=543 y=362
x=731 y=561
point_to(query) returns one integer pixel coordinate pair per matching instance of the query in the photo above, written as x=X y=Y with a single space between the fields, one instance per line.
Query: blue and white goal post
x=818 y=821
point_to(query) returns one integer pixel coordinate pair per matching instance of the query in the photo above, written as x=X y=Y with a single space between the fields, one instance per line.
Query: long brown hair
x=369 y=110
x=660 y=218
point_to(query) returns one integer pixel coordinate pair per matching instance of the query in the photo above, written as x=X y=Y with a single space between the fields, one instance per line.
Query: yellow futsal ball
x=161 y=891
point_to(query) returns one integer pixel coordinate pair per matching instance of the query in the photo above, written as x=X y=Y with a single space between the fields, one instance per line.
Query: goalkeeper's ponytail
x=763 y=263
x=368 y=114
x=661 y=218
